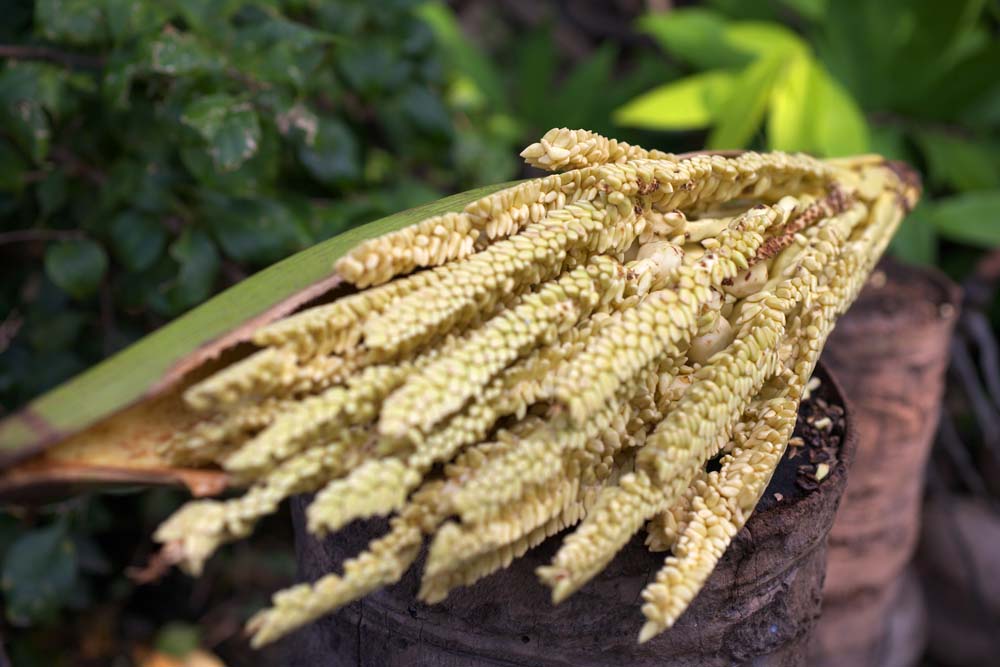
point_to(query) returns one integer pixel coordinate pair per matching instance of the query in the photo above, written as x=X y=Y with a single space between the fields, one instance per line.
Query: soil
x=810 y=446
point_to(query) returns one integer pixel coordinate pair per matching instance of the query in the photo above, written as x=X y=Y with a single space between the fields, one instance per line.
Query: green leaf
x=51 y=193
x=176 y=53
x=120 y=70
x=957 y=162
x=29 y=126
x=255 y=231
x=536 y=69
x=178 y=639
x=332 y=155
x=127 y=19
x=791 y=111
x=972 y=217
x=77 y=267
x=584 y=88
x=841 y=127
x=37 y=83
x=79 y=22
x=694 y=35
x=426 y=111
x=373 y=67
x=708 y=40
x=691 y=102
x=463 y=55
x=256 y=174
x=199 y=262
x=229 y=125
x=810 y=111
x=761 y=39
x=743 y=109
x=890 y=142
x=12 y=168
x=810 y=9
x=203 y=16
x=39 y=573
x=916 y=239
x=137 y=239
x=54 y=331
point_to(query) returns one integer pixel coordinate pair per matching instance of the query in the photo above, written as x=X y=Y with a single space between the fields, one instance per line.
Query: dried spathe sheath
x=569 y=350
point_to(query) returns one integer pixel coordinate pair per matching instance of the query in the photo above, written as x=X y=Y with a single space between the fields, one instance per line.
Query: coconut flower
x=569 y=351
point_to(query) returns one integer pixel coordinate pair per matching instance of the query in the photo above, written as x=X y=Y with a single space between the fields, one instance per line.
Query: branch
x=29 y=235
x=46 y=54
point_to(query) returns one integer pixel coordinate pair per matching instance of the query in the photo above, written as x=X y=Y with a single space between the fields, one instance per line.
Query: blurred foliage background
x=153 y=152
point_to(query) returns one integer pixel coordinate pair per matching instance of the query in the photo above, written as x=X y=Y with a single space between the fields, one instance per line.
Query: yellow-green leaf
x=743 y=109
x=841 y=128
x=689 y=103
x=762 y=38
x=789 y=120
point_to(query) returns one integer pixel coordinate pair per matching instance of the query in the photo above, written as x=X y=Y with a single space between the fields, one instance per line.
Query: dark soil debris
x=812 y=451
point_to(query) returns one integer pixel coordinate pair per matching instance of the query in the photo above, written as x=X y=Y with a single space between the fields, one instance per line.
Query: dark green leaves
x=74 y=21
x=76 y=266
x=229 y=126
x=39 y=573
x=30 y=94
x=973 y=218
x=916 y=240
x=137 y=239
x=188 y=140
x=199 y=266
x=256 y=232
x=958 y=162
x=462 y=55
x=694 y=35
x=177 y=53
x=329 y=151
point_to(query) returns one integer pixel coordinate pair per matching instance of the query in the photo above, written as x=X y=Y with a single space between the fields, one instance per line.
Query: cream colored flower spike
x=570 y=350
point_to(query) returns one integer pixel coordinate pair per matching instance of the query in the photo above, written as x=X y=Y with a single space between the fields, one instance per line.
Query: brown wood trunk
x=890 y=352
x=758 y=607
x=957 y=556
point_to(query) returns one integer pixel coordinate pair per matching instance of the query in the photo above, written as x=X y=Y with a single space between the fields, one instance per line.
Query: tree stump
x=890 y=352
x=758 y=607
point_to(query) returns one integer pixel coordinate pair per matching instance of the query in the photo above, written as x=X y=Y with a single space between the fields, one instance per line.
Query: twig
x=956 y=450
x=964 y=552
x=964 y=369
x=977 y=326
x=31 y=235
x=9 y=327
x=46 y=54
x=61 y=155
